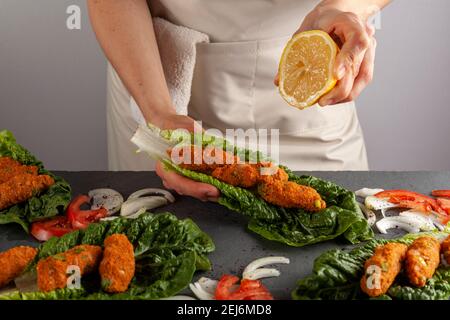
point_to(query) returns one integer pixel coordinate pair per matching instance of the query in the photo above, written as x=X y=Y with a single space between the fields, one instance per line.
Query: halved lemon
x=306 y=68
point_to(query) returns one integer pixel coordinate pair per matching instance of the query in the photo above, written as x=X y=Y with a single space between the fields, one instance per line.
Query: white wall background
x=52 y=86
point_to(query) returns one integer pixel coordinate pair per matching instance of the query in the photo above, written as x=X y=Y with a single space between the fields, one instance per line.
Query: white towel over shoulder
x=177 y=48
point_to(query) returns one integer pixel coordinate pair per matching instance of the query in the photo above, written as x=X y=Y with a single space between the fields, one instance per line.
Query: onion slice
x=374 y=203
x=200 y=292
x=109 y=218
x=370 y=215
x=207 y=284
x=432 y=217
x=137 y=214
x=367 y=192
x=153 y=192
x=27 y=282
x=261 y=273
x=263 y=262
x=132 y=206
x=427 y=223
x=409 y=224
x=106 y=198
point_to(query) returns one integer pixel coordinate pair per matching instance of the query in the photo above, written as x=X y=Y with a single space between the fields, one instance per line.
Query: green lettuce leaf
x=294 y=227
x=168 y=252
x=47 y=204
x=60 y=294
x=337 y=274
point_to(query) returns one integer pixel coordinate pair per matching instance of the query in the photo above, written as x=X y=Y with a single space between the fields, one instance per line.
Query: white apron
x=233 y=86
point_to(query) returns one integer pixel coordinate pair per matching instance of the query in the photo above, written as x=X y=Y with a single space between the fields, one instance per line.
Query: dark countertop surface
x=235 y=245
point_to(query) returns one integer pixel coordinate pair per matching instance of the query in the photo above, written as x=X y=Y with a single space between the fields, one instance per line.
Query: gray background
x=53 y=84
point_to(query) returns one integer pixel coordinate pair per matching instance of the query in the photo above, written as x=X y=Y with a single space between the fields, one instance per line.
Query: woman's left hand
x=355 y=62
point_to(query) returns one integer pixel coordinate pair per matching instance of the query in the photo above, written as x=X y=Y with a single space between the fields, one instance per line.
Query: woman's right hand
x=174 y=181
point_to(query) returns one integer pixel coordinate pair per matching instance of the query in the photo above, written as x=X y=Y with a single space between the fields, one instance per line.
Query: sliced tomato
x=80 y=219
x=444 y=203
x=251 y=290
x=53 y=227
x=248 y=289
x=223 y=289
x=410 y=200
x=441 y=193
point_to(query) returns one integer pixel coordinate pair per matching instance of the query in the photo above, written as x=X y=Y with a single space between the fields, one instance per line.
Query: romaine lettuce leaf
x=294 y=227
x=44 y=205
x=168 y=251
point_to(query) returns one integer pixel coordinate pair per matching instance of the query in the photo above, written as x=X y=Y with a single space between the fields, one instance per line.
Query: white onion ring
x=370 y=215
x=153 y=192
x=366 y=192
x=261 y=273
x=132 y=206
x=409 y=224
x=263 y=262
x=200 y=292
x=106 y=198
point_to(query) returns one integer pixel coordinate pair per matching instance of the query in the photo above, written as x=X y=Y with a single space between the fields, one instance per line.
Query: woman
x=234 y=88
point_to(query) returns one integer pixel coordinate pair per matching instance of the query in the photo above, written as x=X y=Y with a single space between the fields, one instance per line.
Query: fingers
x=365 y=75
x=339 y=93
x=351 y=59
x=349 y=88
x=352 y=54
x=370 y=30
x=185 y=186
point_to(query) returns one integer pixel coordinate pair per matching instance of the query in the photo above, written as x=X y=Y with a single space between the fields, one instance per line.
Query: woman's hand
x=174 y=181
x=355 y=62
x=185 y=186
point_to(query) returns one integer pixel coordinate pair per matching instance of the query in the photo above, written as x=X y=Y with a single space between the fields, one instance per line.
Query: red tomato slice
x=223 y=289
x=248 y=289
x=53 y=227
x=410 y=200
x=441 y=193
x=80 y=219
x=444 y=203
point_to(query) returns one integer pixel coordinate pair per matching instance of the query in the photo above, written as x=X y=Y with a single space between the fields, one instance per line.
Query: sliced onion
x=367 y=192
x=261 y=273
x=200 y=292
x=370 y=215
x=409 y=224
x=180 y=297
x=153 y=192
x=109 y=199
x=109 y=218
x=27 y=282
x=132 y=206
x=432 y=217
x=207 y=284
x=264 y=262
x=427 y=223
x=374 y=203
x=137 y=214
